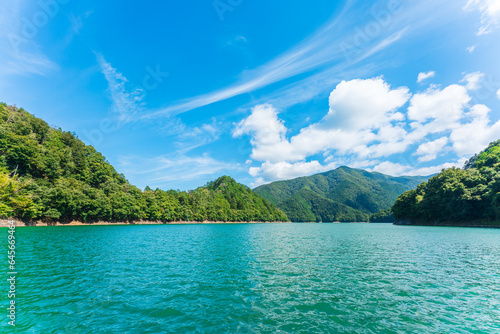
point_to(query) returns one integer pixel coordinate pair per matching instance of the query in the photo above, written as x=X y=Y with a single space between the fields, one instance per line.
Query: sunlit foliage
x=49 y=174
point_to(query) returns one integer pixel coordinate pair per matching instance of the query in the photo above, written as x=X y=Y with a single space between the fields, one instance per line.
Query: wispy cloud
x=490 y=14
x=471 y=48
x=126 y=103
x=325 y=47
x=19 y=54
x=168 y=170
x=23 y=63
x=338 y=45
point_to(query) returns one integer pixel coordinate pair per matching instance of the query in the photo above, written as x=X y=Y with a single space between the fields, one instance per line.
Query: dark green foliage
x=456 y=196
x=59 y=178
x=344 y=194
x=384 y=216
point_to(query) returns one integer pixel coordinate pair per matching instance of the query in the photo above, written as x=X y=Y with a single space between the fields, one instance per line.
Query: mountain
x=49 y=174
x=343 y=194
x=461 y=197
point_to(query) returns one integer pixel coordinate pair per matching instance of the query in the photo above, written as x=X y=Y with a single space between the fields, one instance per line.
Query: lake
x=256 y=278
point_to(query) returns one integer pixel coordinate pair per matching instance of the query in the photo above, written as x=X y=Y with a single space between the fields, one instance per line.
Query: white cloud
x=20 y=53
x=429 y=151
x=125 y=103
x=396 y=169
x=270 y=171
x=424 y=76
x=366 y=121
x=24 y=63
x=357 y=108
x=238 y=40
x=435 y=110
x=490 y=14
x=475 y=135
x=168 y=170
x=447 y=104
x=361 y=104
x=302 y=59
x=194 y=137
x=436 y=169
x=203 y=134
x=361 y=112
x=268 y=135
x=473 y=80
x=471 y=48
x=498 y=94
x=390 y=168
x=332 y=49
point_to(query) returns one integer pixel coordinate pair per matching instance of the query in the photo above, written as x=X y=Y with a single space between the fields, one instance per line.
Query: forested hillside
x=49 y=174
x=456 y=196
x=344 y=194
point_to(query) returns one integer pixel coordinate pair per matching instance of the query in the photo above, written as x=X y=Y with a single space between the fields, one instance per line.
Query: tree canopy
x=49 y=174
x=456 y=196
x=344 y=194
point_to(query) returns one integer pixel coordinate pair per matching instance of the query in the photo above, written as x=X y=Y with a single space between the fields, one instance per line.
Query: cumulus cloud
x=490 y=14
x=473 y=80
x=475 y=135
x=268 y=135
x=397 y=169
x=425 y=75
x=429 y=151
x=436 y=110
x=390 y=168
x=498 y=94
x=361 y=112
x=357 y=108
x=366 y=121
x=446 y=104
x=285 y=170
x=360 y=104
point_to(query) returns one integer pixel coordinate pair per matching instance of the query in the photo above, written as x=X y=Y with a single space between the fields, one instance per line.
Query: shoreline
x=20 y=223
x=493 y=225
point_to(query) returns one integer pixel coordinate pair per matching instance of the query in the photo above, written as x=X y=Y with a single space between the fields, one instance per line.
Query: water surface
x=269 y=278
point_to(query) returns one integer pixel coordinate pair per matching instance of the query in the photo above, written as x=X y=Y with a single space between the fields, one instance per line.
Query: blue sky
x=177 y=93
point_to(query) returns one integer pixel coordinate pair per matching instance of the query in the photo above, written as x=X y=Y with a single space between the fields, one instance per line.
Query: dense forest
x=50 y=175
x=468 y=196
x=344 y=194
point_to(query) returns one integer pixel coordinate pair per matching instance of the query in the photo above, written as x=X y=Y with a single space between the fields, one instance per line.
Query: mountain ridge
x=345 y=194
x=48 y=174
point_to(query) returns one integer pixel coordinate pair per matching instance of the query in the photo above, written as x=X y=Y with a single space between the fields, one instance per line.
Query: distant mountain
x=343 y=194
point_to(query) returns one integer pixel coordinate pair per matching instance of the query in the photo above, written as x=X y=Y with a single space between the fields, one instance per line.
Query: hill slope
x=469 y=196
x=343 y=194
x=49 y=174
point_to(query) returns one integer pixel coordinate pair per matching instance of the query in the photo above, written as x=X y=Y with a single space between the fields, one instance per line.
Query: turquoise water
x=271 y=278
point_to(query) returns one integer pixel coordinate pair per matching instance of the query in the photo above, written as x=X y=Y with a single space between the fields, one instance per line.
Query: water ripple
x=283 y=278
